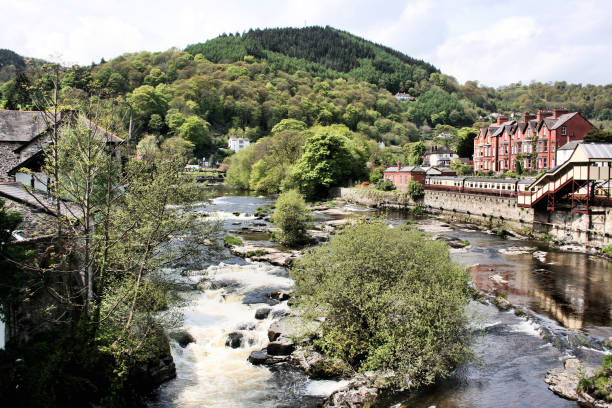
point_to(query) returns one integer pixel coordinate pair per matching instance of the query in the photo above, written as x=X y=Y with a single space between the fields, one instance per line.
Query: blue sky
x=494 y=42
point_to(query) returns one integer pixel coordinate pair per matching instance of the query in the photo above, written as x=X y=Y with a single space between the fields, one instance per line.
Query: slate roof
x=413 y=169
x=570 y=145
x=563 y=118
x=20 y=126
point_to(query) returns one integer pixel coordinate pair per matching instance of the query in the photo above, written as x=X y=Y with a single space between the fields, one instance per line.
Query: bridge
x=582 y=181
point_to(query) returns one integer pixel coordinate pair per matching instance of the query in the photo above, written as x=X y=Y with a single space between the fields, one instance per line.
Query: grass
x=608 y=250
x=466 y=242
x=257 y=252
x=600 y=385
x=232 y=241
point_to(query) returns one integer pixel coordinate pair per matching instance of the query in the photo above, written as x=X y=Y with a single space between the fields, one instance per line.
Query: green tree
x=195 y=130
x=392 y=300
x=464 y=145
x=291 y=216
x=413 y=153
x=327 y=161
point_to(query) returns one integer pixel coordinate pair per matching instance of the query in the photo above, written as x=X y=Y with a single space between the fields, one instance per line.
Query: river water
x=569 y=293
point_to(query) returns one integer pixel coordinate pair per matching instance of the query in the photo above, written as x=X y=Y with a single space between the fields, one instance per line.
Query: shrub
x=292 y=217
x=608 y=250
x=415 y=190
x=385 y=185
x=600 y=385
x=230 y=241
x=392 y=299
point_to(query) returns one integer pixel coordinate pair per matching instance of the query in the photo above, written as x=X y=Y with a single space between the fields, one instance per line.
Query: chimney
x=543 y=114
x=528 y=116
x=559 y=112
x=399 y=165
x=501 y=119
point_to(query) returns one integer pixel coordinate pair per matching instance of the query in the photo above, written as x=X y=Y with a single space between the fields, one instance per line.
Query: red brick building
x=532 y=142
x=401 y=176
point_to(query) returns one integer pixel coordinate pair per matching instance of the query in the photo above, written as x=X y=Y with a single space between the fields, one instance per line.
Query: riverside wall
x=583 y=232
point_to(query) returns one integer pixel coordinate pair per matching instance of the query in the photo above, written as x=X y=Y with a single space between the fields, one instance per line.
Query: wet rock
x=259 y=224
x=183 y=338
x=236 y=223
x=502 y=303
x=452 y=242
x=262 y=313
x=236 y=213
x=317 y=366
x=234 y=340
x=276 y=258
x=281 y=347
x=280 y=295
x=359 y=393
x=214 y=284
x=258 y=357
x=279 y=313
x=498 y=279
x=246 y=326
x=564 y=381
x=513 y=250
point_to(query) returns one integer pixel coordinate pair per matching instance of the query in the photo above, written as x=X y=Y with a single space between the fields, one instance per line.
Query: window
x=563 y=131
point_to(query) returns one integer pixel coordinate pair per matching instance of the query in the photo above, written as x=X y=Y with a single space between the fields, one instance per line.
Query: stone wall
x=8 y=158
x=590 y=232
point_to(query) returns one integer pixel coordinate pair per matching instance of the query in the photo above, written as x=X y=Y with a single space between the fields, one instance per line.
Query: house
x=532 y=142
x=24 y=135
x=401 y=96
x=400 y=175
x=439 y=156
x=438 y=171
x=238 y=143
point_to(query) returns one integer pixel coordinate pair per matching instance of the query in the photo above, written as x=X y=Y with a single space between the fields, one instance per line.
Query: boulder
x=183 y=338
x=258 y=357
x=318 y=366
x=359 y=393
x=564 y=381
x=262 y=313
x=280 y=295
x=502 y=303
x=281 y=347
x=234 y=340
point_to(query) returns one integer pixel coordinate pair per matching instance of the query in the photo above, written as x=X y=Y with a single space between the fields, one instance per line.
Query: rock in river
x=183 y=338
x=234 y=340
x=281 y=347
x=262 y=313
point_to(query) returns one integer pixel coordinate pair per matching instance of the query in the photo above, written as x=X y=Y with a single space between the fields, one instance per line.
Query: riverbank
x=513 y=355
x=586 y=233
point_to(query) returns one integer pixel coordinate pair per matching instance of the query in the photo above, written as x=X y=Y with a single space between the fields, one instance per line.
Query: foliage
x=464 y=144
x=12 y=277
x=413 y=153
x=230 y=240
x=600 y=385
x=291 y=216
x=415 y=190
x=598 y=136
x=385 y=185
x=330 y=158
x=393 y=301
x=608 y=250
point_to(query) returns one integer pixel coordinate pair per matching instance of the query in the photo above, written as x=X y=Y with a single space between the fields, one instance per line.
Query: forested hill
x=322 y=51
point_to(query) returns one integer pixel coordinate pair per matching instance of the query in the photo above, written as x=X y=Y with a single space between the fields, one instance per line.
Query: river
x=570 y=293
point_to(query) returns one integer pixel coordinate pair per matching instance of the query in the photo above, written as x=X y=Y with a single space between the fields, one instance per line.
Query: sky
x=496 y=42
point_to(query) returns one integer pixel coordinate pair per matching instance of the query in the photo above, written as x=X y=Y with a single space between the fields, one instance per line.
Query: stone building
x=532 y=142
x=25 y=134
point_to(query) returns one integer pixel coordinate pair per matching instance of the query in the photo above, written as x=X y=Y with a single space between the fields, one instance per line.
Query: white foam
x=324 y=387
x=526 y=327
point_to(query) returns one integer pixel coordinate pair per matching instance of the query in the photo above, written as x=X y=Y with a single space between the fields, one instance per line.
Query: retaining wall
x=590 y=232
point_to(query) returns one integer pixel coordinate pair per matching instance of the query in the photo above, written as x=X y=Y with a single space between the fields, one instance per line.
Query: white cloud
x=494 y=42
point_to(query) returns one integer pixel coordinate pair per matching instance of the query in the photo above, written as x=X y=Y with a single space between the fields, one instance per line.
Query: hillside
x=320 y=50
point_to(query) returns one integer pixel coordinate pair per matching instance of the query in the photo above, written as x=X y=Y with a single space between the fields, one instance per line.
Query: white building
x=439 y=156
x=237 y=143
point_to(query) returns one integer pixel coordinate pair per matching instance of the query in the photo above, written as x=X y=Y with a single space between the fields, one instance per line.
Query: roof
x=597 y=150
x=570 y=145
x=20 y=126
x=411 y=169
x=563 y=118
